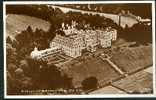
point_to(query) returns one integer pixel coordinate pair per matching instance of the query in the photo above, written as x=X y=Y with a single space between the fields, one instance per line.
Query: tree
x=19 y=73
x=11 y=54
x=51 y=78
x=133 y=33
x=8 y=40
x=89 y=83
x=11 y=68
x=26 y=83
x=23 y=64
x=47 y=76
x=29 y=29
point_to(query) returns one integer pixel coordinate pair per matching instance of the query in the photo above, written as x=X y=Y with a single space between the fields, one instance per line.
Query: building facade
x=74 y=41
x=70 y=45
x=43 y=54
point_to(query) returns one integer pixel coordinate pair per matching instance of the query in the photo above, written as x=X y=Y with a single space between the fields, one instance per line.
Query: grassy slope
x=16 y=23
x=91 y=67
x=132 y=59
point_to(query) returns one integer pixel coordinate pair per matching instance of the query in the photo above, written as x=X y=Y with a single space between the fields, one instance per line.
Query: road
x=113 y=65
x=125 y=20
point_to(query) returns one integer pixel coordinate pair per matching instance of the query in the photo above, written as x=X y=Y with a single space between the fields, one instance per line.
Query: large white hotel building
x=74 y=41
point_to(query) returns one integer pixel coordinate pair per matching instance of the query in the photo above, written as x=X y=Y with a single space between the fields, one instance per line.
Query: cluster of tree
x=44 y=12
x=95 y=21
x=28 y=39
x=56 y=16
x=136 y=9
x=24 y=73
x=140 y=33
x=34 y=75
x=40 y=11
x=89 y=83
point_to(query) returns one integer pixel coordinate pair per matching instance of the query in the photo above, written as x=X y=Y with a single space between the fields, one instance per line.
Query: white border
x=79 y=96
x=153 y=44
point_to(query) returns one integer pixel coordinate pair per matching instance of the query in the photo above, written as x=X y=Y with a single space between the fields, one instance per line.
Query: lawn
x=16 y=23
x=79 y=70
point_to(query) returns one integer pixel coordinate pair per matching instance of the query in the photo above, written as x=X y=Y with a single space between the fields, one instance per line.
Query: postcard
x=77 y=49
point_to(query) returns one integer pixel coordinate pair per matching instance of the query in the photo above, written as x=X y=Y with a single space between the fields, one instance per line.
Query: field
x=16 y=23
x=139 y=82
x=80 y=70
x=133 y=59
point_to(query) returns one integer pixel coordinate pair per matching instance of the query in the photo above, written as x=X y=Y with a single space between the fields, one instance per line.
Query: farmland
x=139 y=82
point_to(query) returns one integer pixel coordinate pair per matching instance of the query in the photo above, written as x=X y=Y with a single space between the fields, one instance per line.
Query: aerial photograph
x=78 y=49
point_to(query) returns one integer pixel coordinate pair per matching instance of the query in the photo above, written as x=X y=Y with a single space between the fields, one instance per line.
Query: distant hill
x=16 y=23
